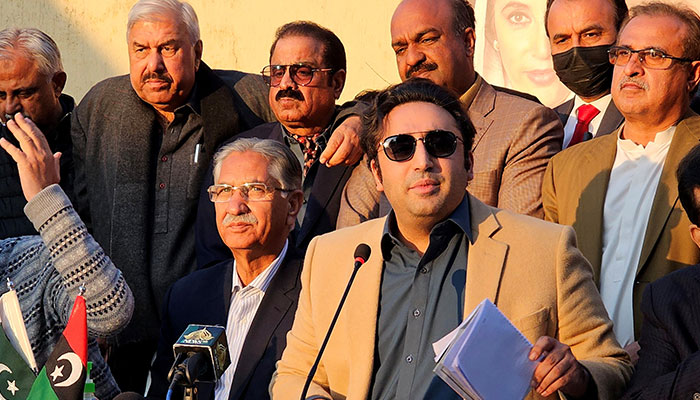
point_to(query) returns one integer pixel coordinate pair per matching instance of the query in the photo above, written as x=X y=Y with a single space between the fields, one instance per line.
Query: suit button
x=696 y=396
x=409 y=358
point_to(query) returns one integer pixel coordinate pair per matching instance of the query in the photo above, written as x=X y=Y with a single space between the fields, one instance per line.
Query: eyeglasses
x=438 y=143
x=650 y=58
x=301 y=74
x=254 y=191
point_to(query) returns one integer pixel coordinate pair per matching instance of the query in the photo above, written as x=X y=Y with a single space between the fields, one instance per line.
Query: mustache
x=247 y=218
x=424 y=66
x=636 y=81
x=420 y=175
x=290 y=93
x=161 y=76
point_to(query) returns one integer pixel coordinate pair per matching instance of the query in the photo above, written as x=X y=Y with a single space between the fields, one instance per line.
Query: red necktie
x=585 y=115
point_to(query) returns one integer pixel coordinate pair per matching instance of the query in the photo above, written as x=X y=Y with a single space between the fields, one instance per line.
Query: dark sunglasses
x=438 y=143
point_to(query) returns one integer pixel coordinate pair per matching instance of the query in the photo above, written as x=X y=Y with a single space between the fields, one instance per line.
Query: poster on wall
x=512 y=48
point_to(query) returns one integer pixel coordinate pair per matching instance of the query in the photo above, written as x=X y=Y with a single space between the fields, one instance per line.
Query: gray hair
x=35 y=44
x=155 y=10
x=283 y=165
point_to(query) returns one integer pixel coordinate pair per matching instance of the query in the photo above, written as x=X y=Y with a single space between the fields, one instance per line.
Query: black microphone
x=362 y=252
x=201 y=355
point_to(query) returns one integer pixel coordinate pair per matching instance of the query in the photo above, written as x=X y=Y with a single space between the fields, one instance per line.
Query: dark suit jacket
x=321 y=208
x=114 y=140
x=203 y=297
x=669 y=359
x=612 y=119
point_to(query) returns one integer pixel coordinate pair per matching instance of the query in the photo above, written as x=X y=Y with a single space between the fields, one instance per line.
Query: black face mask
x=586 y=71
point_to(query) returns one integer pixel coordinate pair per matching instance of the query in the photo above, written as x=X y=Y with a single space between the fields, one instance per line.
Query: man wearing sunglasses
x=257 y=195
x=435 y=257
x=580 y=33
x=434 y=39
x=305 y=76
x=619 y=191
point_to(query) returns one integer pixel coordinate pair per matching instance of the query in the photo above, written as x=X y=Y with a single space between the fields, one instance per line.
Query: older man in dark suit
x=257 y=197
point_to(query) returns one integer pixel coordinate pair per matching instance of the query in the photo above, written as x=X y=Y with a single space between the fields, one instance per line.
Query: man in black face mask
x=580 y=33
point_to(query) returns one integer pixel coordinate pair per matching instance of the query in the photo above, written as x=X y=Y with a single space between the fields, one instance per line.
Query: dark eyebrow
x=416 y=37
x=592 y=27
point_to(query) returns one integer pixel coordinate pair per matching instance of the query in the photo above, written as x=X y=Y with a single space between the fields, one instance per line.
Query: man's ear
x=695 y=234
x=198 y=47
x=338 y=82
x=470 y=167
x=58 y=82
x=294 y=202
x=377 y=174
x=469 y=41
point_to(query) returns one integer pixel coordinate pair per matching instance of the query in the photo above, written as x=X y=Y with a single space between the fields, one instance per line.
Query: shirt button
x=164 y=158
x=162 y=185
x=424 y=270
x=416 y=313
x=409 y=358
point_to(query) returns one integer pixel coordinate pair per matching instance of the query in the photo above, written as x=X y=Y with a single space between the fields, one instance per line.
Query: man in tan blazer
x=515 y=136
x=619 y=191
x=437 y=255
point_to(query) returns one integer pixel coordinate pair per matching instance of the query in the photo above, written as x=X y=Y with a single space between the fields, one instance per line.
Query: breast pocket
x=534 y=325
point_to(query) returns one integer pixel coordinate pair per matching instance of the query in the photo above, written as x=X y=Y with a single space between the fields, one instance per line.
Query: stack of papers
x=485 y=357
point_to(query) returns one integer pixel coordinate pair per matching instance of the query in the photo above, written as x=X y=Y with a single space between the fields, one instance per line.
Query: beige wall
x=236 y=33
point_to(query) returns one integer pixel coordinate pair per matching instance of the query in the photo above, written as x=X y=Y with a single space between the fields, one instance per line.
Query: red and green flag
x=63 y=375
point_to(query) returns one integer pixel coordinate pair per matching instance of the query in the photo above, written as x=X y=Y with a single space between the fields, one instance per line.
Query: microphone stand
x=312 y=371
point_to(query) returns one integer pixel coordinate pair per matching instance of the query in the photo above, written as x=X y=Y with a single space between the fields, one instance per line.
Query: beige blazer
x=573 y=193
x=529 y=268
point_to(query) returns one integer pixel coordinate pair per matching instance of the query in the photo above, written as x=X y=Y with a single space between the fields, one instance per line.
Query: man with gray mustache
x=257 y=196
x=619 y=191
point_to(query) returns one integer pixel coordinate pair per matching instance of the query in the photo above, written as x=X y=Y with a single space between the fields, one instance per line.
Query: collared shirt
x=421 y=300
x=308 y=180
x=245 y=301
x=601 y=104
x=633 y=181
x=468 y=97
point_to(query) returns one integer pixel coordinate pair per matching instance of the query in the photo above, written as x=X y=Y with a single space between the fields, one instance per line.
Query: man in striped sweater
x=48 y=269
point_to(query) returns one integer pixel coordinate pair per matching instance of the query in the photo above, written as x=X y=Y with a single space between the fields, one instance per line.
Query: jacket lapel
x=588 y=220
x=275 y=305
x=480 y=110
x=687 y=136
x=564 y=110
x=486 y=257
x=612 y=119
x=326 y=183
x=361 y=307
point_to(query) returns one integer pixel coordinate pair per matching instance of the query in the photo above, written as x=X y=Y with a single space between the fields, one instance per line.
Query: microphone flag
x=63 y=375
x=16 y=377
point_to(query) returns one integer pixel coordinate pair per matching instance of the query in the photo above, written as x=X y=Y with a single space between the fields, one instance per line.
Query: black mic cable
x=362 y=252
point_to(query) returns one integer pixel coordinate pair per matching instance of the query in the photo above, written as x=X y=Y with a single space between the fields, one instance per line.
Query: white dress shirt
x=631 y=190
x=244 y=304
x=601 y=104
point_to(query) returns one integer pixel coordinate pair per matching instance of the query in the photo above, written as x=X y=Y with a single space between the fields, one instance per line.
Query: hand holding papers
x=486 y=357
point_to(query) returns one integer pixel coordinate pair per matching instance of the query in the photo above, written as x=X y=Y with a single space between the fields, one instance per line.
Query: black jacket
x=203 y=298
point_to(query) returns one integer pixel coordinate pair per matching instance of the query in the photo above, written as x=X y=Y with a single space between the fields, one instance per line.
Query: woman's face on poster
x=520 y=40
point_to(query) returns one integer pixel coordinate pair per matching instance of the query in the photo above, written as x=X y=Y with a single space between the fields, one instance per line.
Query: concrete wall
x=237 y=34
